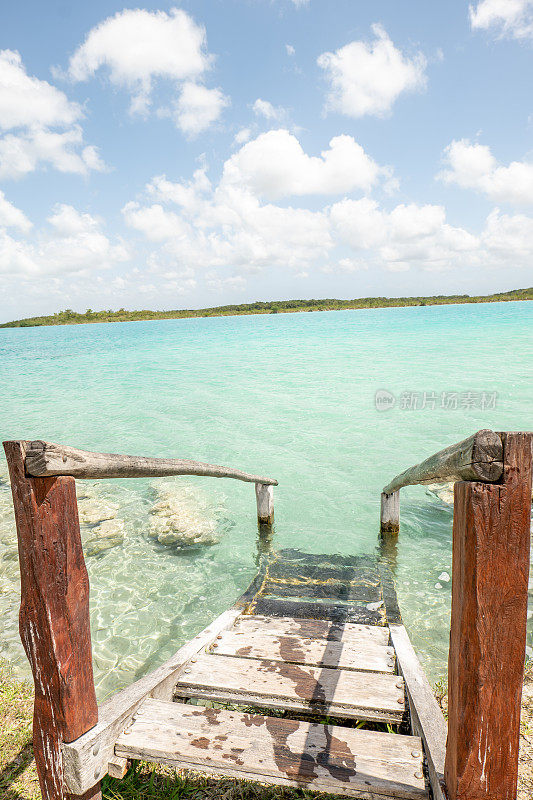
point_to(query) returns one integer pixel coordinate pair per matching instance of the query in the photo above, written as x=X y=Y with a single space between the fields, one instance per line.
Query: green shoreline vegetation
x=69 y=317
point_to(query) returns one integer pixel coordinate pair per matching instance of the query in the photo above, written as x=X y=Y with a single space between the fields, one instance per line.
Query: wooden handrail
x=490 y=571
x=45 y=459
x=478 y=458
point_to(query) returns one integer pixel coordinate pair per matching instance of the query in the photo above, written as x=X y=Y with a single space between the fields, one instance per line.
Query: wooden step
x=313 y=628
x=358 y=613
x=347 y=761
x=273 y=684
x=356 y=654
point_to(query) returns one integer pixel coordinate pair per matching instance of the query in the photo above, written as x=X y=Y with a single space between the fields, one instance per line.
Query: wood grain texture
x=491 y=542
x=357 y=654
x=54 y=616
x=313 y=628
x=92 y=751
x=271 y=684
x=46 y=458
x=328 y=758
x=427 y=720
x=478 y=458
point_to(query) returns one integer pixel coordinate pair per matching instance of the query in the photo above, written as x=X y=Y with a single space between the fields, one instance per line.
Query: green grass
x=70 y=317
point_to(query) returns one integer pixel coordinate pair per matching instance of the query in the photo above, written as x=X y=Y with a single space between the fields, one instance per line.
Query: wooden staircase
x=319 y=684
x=298 y=691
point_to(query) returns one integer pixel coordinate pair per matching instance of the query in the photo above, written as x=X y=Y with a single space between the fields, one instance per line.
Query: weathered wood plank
x=46 y=458
x=427 y=720
x=312 y=629
x=92 y=751
x=490 y=569
x=54 y=617
x=478 y=458
x=272 y=684
x=358 y=654
x=323 y=758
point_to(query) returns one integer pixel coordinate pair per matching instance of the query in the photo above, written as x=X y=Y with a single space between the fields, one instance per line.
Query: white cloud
x=12 y=217
x=472 y=166
x=26 y=101
x=511 y=17
x=263 y=108
x=509 y=238
x=409 y=235
x=73 y=244
x=197 y=108
x=368 y=77
x=290 y=50
x=242 y=136
x=300 y=3
x=23 y=153
x=227 y=231
x=154 y=221
x=139 y=47
x=275 y=165
x=31 y=111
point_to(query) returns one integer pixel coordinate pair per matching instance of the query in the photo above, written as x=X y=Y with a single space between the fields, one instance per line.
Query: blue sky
x=210 y=152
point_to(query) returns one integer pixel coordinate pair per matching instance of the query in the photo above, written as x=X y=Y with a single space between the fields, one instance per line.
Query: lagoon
x=291 y=396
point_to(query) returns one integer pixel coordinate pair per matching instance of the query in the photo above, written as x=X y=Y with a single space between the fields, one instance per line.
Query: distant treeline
x=69 y=317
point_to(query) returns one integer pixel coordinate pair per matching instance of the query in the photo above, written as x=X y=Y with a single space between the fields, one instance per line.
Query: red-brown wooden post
x=491 y=541
x=54 y=617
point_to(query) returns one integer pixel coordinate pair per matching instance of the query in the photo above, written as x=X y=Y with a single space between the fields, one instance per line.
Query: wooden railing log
x=54 y=618
x=478 y=458
x=46 y=459
x=490 y=570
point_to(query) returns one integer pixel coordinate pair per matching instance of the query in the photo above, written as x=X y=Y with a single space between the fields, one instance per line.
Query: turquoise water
x=284 y=395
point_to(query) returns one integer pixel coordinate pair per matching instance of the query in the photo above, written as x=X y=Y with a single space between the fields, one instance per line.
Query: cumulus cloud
x=197 y=108
x=511 y=17
x=139 y=47
x=216 y=228
x=368 y=77
x=73 y=243
x=275 y=165
x=41 y=125
x=263 y=108
x=472 y=166
x=409 y=235
x=12 y=217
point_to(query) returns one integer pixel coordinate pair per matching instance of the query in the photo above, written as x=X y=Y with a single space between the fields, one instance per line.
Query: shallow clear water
x=286 y=395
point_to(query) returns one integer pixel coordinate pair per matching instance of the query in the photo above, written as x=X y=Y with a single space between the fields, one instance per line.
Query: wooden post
x=265 y=518
x=390 y=512
x=491 y=541
x=54 y=617
x=265 y=504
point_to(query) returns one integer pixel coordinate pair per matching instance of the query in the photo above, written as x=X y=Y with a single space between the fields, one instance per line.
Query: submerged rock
x=183 y=516
x=444 y=491
x=108 y=534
